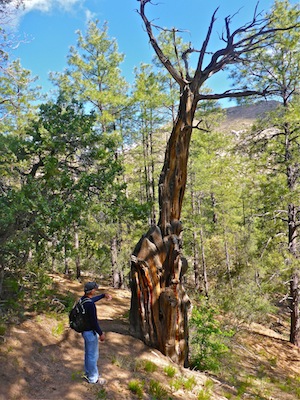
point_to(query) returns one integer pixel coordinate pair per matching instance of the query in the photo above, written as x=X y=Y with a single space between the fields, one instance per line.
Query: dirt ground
x=42 y=359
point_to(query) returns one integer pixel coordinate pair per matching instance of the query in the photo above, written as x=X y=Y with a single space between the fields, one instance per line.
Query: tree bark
x=159 y=304
x=116 y=275
x=196 y=261
x=295 y=318
x=173 y=177
x=159 y=307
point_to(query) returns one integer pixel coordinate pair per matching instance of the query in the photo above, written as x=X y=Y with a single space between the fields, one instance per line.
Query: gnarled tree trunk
x=159 y=305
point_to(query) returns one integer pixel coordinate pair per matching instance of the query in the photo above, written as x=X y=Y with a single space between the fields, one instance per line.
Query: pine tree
x=274 y=140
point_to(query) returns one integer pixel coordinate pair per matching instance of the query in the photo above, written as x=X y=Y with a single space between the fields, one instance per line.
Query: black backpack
x=78 y=318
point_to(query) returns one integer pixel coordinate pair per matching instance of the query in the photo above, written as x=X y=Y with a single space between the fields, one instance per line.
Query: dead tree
x=295 y=319
x=159 y=304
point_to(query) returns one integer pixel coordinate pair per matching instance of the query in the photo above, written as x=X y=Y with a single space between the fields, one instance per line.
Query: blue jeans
x=91 y=354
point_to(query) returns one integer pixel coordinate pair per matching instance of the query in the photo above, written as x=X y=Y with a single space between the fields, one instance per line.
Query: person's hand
x=102 y=337
x=108 y=296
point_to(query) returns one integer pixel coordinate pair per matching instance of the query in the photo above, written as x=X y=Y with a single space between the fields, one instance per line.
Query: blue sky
x=49 y=27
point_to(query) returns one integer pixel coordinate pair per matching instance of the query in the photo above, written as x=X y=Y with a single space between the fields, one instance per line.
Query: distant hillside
x=242 y=117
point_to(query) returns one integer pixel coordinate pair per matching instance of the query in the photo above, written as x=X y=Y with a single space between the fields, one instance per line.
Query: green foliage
x=207 y=337
x=101 y=394
x=276 y=64
x=32 y=289
x=136 y=387
x=157 y=391
x=76 y=375
x=149 y=366
x=204 y=395
x=88 y=164
x=189 y=383
x=59 y=328
x=2 y=329
x=12 y=295
x=170 y=371
x=75 y=163
x=93 y=75
x=20 y=96
x=206 y=392
x=246 y=306
x=182 y=383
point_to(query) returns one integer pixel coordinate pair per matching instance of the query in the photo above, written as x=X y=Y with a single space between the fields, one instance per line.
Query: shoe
x=101 y=381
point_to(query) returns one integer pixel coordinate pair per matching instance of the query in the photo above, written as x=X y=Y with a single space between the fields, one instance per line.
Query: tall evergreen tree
x=93 y=75
x=149 y=98
x=18 y=98
x=275 y=138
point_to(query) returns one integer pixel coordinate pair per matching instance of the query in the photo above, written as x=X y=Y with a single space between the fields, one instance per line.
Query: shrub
x=207 y=338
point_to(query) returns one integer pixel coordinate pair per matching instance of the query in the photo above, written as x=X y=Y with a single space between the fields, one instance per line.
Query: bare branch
x=231 y=94
x=176 y=52
x=205 y=44
x=253 y=35
x=184 y=58
x=197 y=126
x=164 y=60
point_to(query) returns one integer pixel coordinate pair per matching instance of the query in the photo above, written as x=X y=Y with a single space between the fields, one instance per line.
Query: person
x=92 y=334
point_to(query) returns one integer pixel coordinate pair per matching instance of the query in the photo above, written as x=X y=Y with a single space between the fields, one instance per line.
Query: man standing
x=93 y=333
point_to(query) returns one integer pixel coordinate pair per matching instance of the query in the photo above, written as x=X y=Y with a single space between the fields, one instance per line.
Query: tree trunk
x=203 y=259
x=173 y=177
x=159 y=304
x=294 y=283
x=195 y=237
x=292 y=229
x=1 y=278
x=77 y=258
x=295 y=320
x=66 y=271
x=114 y=257
x=196 y=261
x=227 y=259
x=153 y=212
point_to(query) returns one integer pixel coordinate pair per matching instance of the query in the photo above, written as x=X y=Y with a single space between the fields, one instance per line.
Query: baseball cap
x=90 y=286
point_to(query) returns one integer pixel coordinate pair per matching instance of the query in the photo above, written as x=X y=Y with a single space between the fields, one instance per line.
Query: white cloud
x=89 y=15
x=42 y=5
x=49 y=5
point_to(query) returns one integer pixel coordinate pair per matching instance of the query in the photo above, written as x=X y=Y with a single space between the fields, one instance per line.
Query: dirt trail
x=42 y=359
x=38 y=364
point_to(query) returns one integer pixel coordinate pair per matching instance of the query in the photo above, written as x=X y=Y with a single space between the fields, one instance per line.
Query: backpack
x=77 y=317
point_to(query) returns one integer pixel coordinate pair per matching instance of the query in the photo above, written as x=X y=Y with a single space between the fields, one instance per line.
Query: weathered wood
x=159 y=305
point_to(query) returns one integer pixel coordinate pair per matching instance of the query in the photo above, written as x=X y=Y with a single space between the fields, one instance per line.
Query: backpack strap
x=86 y=300
x=83 y=301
